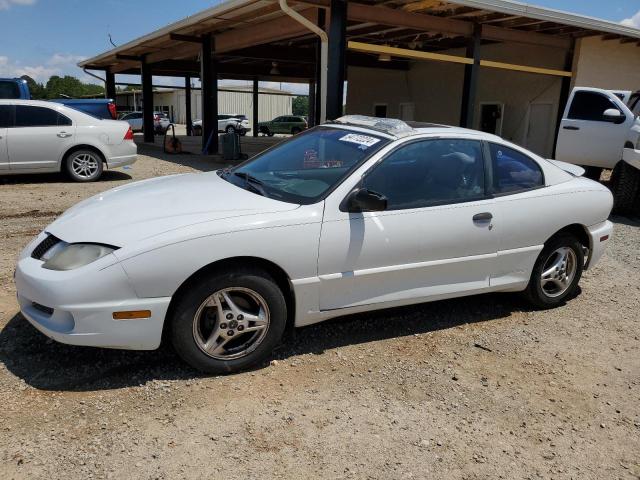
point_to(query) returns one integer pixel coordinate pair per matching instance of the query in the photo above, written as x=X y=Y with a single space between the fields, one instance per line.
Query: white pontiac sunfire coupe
x=354 y=215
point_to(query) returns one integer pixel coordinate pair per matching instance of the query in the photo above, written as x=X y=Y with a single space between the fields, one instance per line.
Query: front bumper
x=76 y=306
x=632 y=157
x=600 y=236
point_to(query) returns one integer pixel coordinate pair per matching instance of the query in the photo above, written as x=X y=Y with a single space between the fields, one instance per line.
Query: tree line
x=57 y=87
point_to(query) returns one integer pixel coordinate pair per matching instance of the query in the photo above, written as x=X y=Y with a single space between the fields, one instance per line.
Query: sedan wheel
x=230 y=129
x=84 y=166
x=557 y=272
x=229 y=322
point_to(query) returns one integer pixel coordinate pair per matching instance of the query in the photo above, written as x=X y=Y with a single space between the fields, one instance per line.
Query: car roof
x=397 y=128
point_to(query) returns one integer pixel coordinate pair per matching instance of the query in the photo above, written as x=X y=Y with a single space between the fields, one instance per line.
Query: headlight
x=67 y=256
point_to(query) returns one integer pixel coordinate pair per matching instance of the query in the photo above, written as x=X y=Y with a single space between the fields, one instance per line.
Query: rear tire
x=209 y=330
x=556 y=273
x=295 y=130
x=230 y=129
x=84 y=165
x=625 y=186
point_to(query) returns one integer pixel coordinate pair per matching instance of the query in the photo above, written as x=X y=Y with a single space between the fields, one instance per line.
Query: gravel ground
x=476 y=388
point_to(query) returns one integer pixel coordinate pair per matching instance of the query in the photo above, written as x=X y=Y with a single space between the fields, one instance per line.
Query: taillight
x=128 y=135
x=112 y=110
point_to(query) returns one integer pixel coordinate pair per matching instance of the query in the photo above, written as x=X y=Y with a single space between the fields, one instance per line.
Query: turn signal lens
x=603 y=238
x=132 y=315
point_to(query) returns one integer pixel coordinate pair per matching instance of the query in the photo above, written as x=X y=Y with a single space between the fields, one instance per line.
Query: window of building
x=430 y=172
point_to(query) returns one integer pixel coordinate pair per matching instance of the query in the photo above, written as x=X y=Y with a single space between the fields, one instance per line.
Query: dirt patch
x=480 y=387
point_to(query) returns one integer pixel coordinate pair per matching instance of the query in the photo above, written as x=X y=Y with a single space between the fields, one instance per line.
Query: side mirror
x=364 y=200
x=613 y=115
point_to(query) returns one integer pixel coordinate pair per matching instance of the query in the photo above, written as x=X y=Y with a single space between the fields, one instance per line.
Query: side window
x=63 y=120
x=30 y=116
x=6 y=116
x=513 y=171
x=589 y=106
x=429 y=172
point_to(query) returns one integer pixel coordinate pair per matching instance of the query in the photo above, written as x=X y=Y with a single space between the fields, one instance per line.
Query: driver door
x=434 y=239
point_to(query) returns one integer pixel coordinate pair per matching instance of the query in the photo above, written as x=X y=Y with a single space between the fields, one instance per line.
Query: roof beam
x=388 y=16
x=185 y=38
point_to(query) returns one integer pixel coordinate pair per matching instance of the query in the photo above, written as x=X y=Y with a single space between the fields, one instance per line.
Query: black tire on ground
x=94 y=165
x=187 y=305
x=625 y=186
x=243 y=133
x=592 y=173
x=230 y=129
x=295 y=130
x=535 y=293
x=197 y=131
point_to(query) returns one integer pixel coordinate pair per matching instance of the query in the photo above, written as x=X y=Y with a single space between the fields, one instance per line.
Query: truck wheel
x=625 y=185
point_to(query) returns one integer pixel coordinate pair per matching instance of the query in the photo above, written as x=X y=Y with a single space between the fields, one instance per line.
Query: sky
x=41 y=38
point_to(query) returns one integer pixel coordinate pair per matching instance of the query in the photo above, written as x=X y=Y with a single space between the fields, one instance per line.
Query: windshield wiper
x=253 y=183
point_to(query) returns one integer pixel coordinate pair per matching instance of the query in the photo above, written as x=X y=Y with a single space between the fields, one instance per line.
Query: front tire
x=229 y=321
x=230 y=129
x=556 y=272
x=84 y=165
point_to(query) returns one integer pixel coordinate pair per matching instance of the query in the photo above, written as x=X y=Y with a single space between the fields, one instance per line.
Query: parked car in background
x=38 y=136
x=228 y=123
x=285 y=124
x=98 y=107
x=160 y=121
x=601 y=129
x=14 y=88
x=356 y=215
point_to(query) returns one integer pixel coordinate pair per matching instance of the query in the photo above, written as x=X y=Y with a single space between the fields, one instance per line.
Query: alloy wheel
x=231 y=323
x=85 y=165
x=558 y=272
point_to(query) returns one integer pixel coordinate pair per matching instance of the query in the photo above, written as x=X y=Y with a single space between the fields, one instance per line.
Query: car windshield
x=303 y=169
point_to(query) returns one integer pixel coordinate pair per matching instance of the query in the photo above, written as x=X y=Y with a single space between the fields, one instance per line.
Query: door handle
x=571 y=127
x=64 y=134
x=482 y=217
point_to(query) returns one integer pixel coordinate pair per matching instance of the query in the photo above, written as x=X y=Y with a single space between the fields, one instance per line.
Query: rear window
x=513 y=171
x=9 y=90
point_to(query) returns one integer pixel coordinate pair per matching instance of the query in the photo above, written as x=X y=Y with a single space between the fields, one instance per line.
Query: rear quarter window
x=513 y=171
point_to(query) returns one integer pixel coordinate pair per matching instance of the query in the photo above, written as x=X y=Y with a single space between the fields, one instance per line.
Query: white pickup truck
x=601 y=129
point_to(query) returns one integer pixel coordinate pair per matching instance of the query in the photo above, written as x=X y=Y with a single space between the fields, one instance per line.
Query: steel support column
x=312 y=103
x=187 y=105
x=256 y=107
x=565 y=90
x=471 y=73
x=110 y=85
x=147 y=101
x=336 y=64
x=318 y=80
x=209 y=81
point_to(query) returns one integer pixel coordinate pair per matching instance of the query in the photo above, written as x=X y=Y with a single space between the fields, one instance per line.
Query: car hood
x=140 y=210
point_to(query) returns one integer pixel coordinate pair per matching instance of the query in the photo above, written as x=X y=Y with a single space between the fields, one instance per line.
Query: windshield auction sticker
x=364 y=141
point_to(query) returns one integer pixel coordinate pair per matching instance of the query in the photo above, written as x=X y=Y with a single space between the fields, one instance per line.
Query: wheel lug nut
x=229 y=316
x=240 y=317
x=223 y=326
x=240 y=328
x=230 y=333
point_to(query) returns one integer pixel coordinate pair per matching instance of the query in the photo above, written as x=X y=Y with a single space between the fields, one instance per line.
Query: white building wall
x=607 y=64
x=435 y=89
x=241 y=103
